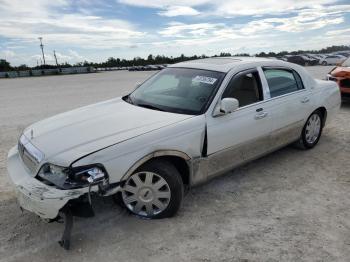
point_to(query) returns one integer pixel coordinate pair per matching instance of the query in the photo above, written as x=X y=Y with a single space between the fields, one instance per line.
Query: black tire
x=171 y=175
x=302 y=143
x=324 y=63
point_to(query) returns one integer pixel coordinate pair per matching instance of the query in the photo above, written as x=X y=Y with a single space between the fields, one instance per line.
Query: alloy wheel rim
x=313 y=128
x=146 y=194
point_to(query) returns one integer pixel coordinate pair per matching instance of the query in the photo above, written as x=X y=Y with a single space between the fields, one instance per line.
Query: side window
x=283 y=81
x=245 y=87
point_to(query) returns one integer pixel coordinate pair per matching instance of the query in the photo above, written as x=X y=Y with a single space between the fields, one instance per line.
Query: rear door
x=289 y=104
x=243 y=134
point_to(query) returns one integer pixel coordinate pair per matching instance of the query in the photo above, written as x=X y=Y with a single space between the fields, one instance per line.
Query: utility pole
x=54 y=54
x=42 y=48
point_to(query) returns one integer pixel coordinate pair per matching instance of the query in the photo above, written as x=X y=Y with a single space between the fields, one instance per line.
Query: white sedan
x=183 y=126
x=332 y=60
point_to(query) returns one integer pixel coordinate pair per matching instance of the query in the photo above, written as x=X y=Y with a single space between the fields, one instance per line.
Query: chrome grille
x=29 y=154
x=28 y=161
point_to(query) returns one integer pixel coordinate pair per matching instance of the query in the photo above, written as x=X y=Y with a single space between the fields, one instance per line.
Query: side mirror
x=228 y=105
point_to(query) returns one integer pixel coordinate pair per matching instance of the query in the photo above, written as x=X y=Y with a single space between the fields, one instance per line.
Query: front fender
x=184 y=139
x=155 y=154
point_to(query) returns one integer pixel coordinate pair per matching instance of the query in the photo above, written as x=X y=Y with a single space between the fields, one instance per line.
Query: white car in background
x=319 y=56
x=183 y=126
x=332 y=60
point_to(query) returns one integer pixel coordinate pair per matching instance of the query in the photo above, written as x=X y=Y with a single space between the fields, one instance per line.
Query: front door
x=243 y=134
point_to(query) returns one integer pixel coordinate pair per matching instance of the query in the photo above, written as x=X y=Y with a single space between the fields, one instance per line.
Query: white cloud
x=71 y=57
x=291 y=25
x=76 y=56
x=179 y=11
x=38 y=57
x=304 y=20
x=74 y=27
x=26 y=20
x=7 y=54
x=168 y=7
x=226 y=8
x=254 y=7
x=338 y=32
x=37 y=8
x=62 y=58
x=176 y=29
x=276 y=33
x=163 y=3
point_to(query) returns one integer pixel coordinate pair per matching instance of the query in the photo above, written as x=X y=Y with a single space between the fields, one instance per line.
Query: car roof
x=225 y=64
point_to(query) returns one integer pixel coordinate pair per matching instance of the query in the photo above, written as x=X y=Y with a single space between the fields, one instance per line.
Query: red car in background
x=341 y=75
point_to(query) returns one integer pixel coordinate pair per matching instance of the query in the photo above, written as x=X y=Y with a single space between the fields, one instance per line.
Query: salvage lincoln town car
x=183 y=126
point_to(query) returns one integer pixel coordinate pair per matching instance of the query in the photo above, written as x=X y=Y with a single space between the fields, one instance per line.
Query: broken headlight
x=53 y=174
x=91 y=175
x=70 y=178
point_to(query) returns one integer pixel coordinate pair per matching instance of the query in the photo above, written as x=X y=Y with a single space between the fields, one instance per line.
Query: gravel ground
x=291 y=205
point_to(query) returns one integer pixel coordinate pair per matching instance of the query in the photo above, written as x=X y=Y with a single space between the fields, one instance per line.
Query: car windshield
x=178 y=90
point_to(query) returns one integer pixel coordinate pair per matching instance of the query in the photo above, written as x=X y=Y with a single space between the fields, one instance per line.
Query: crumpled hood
x=84 y=130
x=341 y=72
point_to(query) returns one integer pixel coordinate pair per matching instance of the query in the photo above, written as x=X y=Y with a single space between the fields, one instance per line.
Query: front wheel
x=312 y=131
x=154 y=191
x=324 y=63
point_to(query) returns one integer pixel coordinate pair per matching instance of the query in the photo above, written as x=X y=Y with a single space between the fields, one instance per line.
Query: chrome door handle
x=305 y=100
x=261 y=115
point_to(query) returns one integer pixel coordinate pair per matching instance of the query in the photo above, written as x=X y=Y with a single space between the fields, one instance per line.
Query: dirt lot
x=289 y=206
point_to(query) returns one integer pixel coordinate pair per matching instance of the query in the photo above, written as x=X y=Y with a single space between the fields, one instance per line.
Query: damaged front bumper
x=35 y=196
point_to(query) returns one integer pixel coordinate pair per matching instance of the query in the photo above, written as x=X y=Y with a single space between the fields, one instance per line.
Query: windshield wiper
x=150 y=107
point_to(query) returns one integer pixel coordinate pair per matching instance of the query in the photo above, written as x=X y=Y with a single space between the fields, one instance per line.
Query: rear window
x=282 y=81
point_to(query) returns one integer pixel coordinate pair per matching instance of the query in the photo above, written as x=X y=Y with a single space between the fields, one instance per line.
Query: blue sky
x=95 y=30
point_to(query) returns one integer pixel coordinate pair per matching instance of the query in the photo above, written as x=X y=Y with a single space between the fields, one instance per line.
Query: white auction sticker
x=204 y=79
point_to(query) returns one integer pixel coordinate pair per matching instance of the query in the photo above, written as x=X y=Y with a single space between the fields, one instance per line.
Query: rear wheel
x=312 y=131
x=154 y=191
